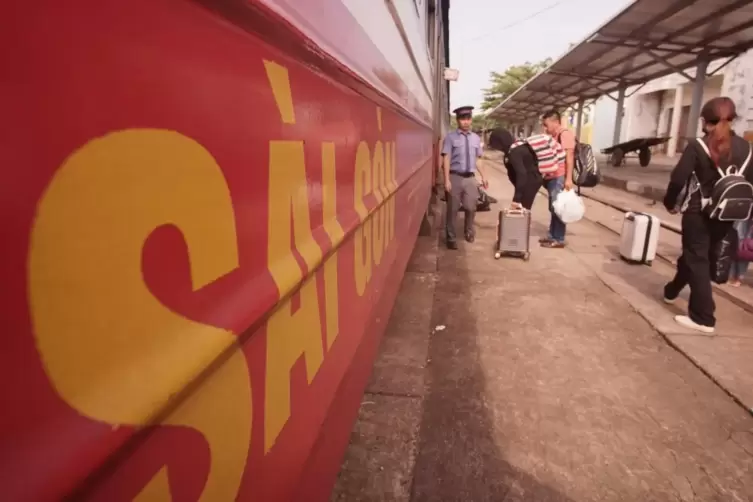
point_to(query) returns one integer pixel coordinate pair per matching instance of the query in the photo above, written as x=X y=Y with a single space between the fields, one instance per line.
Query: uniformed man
x=460 y=153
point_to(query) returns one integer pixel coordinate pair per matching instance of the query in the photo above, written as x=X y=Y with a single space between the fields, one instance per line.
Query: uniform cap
x=463 y=110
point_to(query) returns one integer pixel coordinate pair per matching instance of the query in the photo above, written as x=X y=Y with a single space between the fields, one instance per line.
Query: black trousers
x=529 y=193
x=700 y=236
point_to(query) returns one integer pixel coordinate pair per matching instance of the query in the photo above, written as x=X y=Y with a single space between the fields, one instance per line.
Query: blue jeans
x=740 y=268
x=557 y=228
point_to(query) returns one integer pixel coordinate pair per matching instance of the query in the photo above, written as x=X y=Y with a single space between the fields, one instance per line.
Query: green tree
x=505 y=83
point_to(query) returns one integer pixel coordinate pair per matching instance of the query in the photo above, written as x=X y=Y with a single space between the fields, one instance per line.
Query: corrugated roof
x=647 y=40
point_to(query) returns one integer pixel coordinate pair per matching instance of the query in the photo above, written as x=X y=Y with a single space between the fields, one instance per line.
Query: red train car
x=208 y=207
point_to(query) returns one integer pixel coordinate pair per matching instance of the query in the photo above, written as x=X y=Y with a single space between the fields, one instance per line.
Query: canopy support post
x=618 y=116
x=695 y=104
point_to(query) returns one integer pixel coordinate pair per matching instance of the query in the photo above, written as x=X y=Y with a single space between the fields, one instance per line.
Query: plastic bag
x=722 y=256
x=568 y=206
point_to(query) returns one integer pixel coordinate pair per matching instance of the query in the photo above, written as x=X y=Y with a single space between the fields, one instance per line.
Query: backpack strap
x=746 y=162
x=706 y=149
x=740 y=170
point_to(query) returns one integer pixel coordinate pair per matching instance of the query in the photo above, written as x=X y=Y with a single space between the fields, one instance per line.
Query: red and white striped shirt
x=550 y=154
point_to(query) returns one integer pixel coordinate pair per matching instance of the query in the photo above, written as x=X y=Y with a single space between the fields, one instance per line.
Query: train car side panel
x=207 y=232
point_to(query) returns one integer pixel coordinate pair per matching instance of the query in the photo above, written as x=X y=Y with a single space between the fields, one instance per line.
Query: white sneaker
x=687 y=322
x=669 y=301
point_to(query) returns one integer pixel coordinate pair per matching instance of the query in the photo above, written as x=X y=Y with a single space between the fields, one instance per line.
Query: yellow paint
x=387 y=179
x=378 y=220
x=363 y=267
x=362 y=180
x=335 y=232
x=362 y=235
x=111 y=350
x=378 y=172
x=331 y=305
x=329 y=195
x=288 y=205
x=289 y=336
x=392 y=182
x=279 y=80
x=156 y=490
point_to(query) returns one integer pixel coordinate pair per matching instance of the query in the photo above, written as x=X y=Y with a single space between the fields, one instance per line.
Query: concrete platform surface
x=669 y=240
x=650 y=181
x=542 y=381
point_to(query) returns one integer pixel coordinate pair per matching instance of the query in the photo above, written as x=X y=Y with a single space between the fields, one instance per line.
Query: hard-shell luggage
x=514 y=233
x=639 y=237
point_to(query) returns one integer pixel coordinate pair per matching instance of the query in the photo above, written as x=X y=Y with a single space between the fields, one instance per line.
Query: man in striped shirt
x=559 y=180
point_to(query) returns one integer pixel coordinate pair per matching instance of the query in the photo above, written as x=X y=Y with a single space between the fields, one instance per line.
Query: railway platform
x=649 y=181
x=559 y=379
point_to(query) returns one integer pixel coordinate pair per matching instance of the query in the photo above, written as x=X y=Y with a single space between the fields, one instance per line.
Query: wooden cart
x=617 y=153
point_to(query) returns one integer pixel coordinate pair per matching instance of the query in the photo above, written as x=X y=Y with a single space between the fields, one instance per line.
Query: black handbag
x=722 y=256
x=484 y=201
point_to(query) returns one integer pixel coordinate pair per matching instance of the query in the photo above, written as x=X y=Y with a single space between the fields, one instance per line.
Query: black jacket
x=522 y=170
x=695 y=160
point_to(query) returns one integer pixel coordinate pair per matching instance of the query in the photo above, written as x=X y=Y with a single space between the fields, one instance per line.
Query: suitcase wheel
x=497 y=255
x=527 y=256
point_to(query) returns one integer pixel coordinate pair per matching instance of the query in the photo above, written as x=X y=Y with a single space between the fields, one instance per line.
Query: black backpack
x=585 y=170
x=731 y=199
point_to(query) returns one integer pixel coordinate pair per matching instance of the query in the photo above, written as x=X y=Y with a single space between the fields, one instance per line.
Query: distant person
x=460 y=153
x=695 y=176
x=522 y=167
x=560 y=180
x=740 y=267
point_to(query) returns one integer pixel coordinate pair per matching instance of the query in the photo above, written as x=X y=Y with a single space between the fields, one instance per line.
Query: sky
x=491 y=35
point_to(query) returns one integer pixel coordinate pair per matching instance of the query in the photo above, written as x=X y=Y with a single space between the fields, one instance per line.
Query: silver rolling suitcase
x=514 y=233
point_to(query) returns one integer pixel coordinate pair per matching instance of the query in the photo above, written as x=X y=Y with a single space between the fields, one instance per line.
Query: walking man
x=560 y=180
x=460 y=153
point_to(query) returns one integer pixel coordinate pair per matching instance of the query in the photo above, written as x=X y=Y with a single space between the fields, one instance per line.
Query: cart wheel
x=526 y=256
x=497 y=255
x=617 y=157
x=649 y=263
x=644 y=157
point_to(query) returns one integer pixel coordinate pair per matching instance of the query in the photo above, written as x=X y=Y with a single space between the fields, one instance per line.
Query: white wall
x=641 y=116
x=738 y=85
x=646 y=112
x=605 y=111
x=712 y=89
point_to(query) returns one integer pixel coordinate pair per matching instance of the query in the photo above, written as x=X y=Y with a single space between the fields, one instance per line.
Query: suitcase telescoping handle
x=516 y=212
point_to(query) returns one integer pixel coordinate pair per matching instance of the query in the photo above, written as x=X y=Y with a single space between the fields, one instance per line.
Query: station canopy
x=647 y=40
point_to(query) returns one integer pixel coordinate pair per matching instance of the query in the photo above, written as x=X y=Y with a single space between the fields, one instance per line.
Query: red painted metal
x=78 y=71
